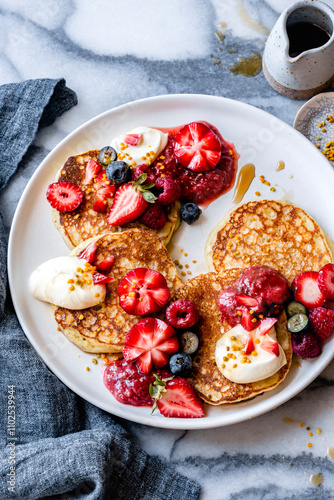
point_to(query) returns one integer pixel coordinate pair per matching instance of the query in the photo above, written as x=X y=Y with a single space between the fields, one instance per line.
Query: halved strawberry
x=247 y=320
x=102 y=179
x=270 y=346
x=150 y=342
x=197 y=147
x=64 y=196
x=92 y=169
x=105 y=265
x=178 y=399
x=132 y=139
x=99 y=279
x=101 y=205
x=128 y=205
x=107 y=191
x=89 y=252
x=244 y=300
x=326 y=281
x=248 y=340
x=265 y=325
x=306 y=290
x=143 y=291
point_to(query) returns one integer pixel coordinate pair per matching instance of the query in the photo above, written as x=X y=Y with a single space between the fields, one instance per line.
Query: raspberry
x=182 y=314
x=141 y=169
x=306 y=345
x=154 y=217
x=171 y=190
x=321 y=321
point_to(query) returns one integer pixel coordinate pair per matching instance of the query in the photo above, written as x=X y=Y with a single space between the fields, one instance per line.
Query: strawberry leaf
x=149 y=186
x=142 y=178
x=154 y=391
x=149 y=197
x=158 y=380
x=154 y=407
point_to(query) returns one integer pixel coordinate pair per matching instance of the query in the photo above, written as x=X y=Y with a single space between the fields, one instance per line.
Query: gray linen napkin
x=53 y=444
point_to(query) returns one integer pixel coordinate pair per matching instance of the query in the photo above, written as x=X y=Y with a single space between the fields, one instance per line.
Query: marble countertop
x=113 y=52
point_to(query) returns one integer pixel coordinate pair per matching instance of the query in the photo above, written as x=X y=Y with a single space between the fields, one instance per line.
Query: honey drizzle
x=247 y=66
x=280 y=166
x=245 y=177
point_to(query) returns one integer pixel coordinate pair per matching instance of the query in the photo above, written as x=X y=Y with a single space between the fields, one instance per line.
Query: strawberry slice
x=132 y=139
x=88 y=253
x=92 y=169
x=179 y=399
x=247 y=320
x=150 y=342
x=64 y=196
x=128 y=205
x=197 y=147
x=102 y=179
x=248 y=340
x=99 y=279
x=270 y=346
x=107 y=191
x=265 y=325
x=101 y=205
x=143 y=291
x=326 y=281
x=306 y=290
x=105 y=265
x=244 y=300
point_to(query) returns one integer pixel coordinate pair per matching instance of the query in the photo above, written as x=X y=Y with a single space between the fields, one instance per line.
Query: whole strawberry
x=321 y=321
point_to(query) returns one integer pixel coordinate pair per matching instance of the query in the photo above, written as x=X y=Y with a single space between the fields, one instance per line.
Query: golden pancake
x=211 y=385
x=102 y=328
x=272 y=233
x=84 y=223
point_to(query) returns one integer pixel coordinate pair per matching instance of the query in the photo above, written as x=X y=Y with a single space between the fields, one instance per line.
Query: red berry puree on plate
x=198 y=187
x=258 y=290
x=128 y=385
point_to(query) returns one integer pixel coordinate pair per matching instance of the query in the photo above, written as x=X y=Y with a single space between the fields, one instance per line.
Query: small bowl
x=314 y=112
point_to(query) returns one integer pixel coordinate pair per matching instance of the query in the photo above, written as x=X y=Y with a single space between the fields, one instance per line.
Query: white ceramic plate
x=307 y=180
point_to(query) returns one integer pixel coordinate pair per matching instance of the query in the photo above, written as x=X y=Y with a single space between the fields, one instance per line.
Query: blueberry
x=107 y=155
x=180 y=364
x=118 y=172
x=190 y=212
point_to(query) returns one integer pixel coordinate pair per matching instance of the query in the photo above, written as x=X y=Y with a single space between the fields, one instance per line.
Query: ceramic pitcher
x=302 y=73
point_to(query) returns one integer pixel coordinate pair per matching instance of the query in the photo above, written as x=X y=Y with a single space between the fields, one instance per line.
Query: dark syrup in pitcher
x=304 y=36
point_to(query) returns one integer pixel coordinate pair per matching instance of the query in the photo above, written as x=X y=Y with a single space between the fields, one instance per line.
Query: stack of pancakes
x=83 y=223
x=267 y=232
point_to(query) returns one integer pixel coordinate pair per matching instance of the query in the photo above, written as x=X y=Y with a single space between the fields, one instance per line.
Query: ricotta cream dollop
x=244 y=369
x=150 y=144
x=66 y=282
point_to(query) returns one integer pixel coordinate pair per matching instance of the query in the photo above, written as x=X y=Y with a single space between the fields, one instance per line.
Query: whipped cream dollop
x=258 y=365
x=149 y=144
x=66 y=282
